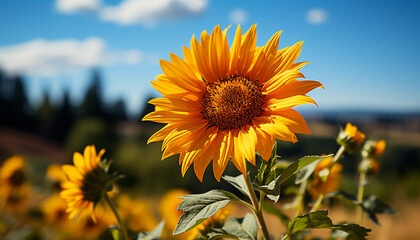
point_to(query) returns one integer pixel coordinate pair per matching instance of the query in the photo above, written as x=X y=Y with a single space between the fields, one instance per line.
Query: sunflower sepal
x=199 y=207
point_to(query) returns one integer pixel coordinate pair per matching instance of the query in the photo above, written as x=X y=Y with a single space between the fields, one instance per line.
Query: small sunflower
x=12 y=172
x=87 y=182
x=325 y=179
x=351 y=138
x=222 y=103
x=14 y=187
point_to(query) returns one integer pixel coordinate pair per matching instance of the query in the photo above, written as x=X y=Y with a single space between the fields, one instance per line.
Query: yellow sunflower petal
x=246 y=53
x=287 y=103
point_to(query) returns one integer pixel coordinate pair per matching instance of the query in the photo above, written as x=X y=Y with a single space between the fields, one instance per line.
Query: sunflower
x=87 y=182
x=14 y=187
x=12 y=172
x=222 y=103
x=326 y=179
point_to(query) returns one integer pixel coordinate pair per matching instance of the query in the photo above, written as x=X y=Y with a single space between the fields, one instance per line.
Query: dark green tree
x=118 y=111
x=92 y=104
x=64 y=117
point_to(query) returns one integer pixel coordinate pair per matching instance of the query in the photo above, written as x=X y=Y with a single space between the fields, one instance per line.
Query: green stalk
x=120 y=222
x=360 y=193
x=257 y=209
x=300 y=199
x=285 y=237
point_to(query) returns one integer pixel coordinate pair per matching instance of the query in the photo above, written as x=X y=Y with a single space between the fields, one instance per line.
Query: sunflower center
x=94 y=185
x=17 y=178
x=232 y=102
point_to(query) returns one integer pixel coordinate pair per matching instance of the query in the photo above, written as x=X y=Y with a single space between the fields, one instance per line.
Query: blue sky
x=366 y=53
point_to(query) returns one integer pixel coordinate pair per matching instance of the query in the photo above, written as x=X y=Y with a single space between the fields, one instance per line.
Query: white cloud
x=75 y=6
x=238 y=16
x=317 y=16
x=41 y=57
x=148 y=12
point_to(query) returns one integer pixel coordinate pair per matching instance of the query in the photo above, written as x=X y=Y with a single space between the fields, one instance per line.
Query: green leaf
x=239 y=183
x=350 y=198
x=276 y=212
x=250 y=225
x=372 y=206
x=354 y=231
x=299 y=164
x=319 y=219
x=198 y=207
x=304 y=173
x=272 y=190
x=243 y=228
x=267 y=172
x=155 y=234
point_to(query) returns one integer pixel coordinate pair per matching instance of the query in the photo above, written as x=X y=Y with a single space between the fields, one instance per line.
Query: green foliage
x=239 y=183
x=298 y=165
x=304 y=173
x=320 y=219
x=155 y=234
x=198 y=207
x=269 y=180
x=372 y=206
x=267 y=171
x=234 y=228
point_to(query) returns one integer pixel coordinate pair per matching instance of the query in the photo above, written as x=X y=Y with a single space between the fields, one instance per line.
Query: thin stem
x=262 y=196
x=318 y=202
x=300 y=199
x=360 y=193
x=114 y=210
x=285 y=236
x=257 y=210
x=337 y=156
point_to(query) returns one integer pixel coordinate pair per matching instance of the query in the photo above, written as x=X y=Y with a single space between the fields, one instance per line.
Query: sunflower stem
x=360 y=193
x=301 y=198
x=337 y=156
x=285 y=237
x=257 y=209
x=120 y=222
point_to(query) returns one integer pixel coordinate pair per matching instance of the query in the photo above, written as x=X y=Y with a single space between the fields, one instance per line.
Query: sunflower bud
x=369 y=166
x=373 y=148
x=351 y=138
